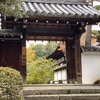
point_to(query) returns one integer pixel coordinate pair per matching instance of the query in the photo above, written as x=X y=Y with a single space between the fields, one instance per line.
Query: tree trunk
x=88 y=35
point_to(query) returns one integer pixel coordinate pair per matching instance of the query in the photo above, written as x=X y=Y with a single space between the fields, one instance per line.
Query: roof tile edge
x=58 y=1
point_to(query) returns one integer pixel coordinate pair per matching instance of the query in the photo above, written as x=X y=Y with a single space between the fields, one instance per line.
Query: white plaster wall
x=55 y=76
x=60 y=75
x=64 y=74
x=90 y=67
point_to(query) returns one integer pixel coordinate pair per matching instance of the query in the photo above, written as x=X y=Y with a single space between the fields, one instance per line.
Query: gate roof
x=57 y=8
x=55 y=19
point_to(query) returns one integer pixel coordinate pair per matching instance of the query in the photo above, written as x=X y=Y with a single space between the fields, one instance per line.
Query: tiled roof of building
x=79 y=9
x=63 y=66
x=57 y=54
x=90 y=48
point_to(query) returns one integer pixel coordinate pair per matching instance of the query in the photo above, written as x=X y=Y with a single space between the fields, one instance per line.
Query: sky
x=35 y=42
x=96 y=27
x=96 y=3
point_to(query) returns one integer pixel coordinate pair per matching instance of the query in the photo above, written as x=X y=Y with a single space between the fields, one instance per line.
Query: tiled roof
x=90 y=48
x=9 y=32
x=57 y=54
x=63 y=66
x=60 y=10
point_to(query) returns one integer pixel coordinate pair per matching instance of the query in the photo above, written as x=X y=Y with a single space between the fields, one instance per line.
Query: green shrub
x=40 y=71
x=97 y=82
x=11 y=84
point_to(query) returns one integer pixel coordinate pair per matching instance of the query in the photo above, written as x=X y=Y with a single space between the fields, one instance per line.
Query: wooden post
x=78 y=59
x=67 y=60
x=24 y=52
x=70 y=60
x=0 y=22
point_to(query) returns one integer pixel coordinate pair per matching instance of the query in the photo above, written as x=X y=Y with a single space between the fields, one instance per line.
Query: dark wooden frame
x=53 y=29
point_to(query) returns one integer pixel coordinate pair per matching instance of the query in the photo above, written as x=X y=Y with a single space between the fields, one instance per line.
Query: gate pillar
x=78 y=59
x=24 y=52
x=70 y=60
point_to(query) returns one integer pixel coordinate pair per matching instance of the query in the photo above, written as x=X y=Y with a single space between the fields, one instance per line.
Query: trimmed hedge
x=11 y=84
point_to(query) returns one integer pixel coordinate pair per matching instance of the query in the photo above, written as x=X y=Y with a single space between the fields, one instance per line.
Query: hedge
x=11 y=84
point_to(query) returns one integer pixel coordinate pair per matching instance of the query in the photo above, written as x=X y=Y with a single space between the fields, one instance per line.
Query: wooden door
x=10 y=54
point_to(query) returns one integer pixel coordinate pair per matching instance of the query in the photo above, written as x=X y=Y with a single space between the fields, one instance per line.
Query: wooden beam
x=45 y=38
x=50 y=31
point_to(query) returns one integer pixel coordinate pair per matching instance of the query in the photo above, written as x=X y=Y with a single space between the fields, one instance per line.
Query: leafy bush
x=10 y=84
x=40 y=71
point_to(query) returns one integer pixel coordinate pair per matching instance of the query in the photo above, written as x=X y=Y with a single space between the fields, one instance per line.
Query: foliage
x=30 y=53
x=50 y=48
x=10 y=8
x=95 y=33
x=42 y=51
x=40 y=71
x=39 y=50
x=10 y=84
x=97 y=7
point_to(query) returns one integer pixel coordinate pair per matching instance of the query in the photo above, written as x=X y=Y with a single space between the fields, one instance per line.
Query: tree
x=30 y=53
x=88 y=35
x=96 y=35
x=39 y=48
x=42 y=51
x=89 y=28
x=50 y=48
x=97 y=7
x=40 y=71
x=11 y=8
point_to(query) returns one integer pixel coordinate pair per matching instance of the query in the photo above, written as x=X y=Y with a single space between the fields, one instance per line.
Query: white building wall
x=55 y=76
x=59 y=75
x=90 y=67
x=64 y=74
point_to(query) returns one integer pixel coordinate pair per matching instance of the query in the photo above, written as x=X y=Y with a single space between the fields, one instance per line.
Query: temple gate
x=47 y=21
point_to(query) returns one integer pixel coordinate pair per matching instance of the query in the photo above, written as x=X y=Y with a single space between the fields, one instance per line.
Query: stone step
x=57 y=85
x=63 y=97
x=60 y=89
